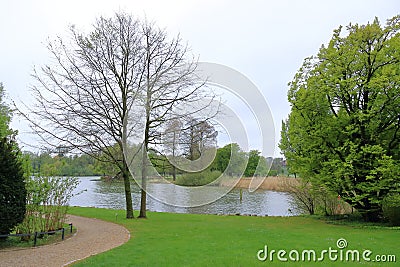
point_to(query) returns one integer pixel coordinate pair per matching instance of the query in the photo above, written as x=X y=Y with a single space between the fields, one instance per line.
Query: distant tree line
x=193 y=139
x=230 y=159
x=48 y=164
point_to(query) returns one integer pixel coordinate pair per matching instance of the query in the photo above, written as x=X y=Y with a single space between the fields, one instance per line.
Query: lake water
x=111 y=195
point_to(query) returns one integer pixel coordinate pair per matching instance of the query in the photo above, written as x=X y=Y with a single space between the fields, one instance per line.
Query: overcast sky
x=264 y=40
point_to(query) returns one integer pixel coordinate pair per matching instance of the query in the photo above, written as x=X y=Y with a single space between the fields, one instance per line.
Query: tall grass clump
x=46 y=203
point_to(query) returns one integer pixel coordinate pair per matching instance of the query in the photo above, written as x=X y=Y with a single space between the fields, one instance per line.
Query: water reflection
x=95 y=193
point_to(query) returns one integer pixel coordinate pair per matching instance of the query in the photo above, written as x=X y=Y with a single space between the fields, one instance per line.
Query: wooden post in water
x=240 y=195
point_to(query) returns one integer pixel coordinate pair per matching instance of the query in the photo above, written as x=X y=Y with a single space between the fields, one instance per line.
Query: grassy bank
x=166 y=239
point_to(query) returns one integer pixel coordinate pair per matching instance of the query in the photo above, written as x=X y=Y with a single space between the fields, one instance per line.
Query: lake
x=95 y=193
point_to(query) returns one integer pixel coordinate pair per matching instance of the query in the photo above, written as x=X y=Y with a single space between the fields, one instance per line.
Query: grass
x=166 y=239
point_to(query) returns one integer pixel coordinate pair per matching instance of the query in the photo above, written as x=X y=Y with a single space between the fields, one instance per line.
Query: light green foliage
x=230 y=159
x=26 y=164
x=104 y=168
x=254 y=158
x=257 y=165
x=276 y=166
x=263 y=167
x=61 y=165
x=161 y=165
x=5 y=115
x=343 y=131
x=46 y=203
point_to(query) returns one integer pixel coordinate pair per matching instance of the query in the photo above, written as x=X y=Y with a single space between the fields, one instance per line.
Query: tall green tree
x=230 y=159
x=343 y=131
x=254 y=159
x=12 y=186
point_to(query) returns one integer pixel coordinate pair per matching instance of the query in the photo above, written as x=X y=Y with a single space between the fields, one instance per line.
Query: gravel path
x=93 y=236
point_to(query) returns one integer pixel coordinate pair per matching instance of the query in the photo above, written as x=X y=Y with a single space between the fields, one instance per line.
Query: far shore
x=273 y=183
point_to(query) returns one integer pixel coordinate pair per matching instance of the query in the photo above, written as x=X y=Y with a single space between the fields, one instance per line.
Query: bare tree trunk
x=143 y=194
x=168 y=80
x=173 y=173
x=128 y=192
x=84 y=98
x=173 y=155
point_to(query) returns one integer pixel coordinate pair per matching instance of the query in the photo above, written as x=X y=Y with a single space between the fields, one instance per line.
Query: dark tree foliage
x=254 y=159
x=12 y=186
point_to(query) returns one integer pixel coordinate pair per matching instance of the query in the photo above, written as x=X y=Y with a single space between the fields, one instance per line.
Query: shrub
x=391 y=209
x=304 y=196
x=331 y=204
x=273 y=173
x=198 y=178
x=12 y=187
x=315 y=199
x=47 y=203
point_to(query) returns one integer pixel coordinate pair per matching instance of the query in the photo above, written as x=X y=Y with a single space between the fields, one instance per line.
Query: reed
x=273 y=183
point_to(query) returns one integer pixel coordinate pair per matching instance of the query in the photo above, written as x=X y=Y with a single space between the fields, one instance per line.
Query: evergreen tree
x=12 y=186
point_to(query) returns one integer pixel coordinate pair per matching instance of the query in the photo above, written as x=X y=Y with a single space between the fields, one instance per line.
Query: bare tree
x=189 y=144
x=171 y=90
x=83 y=99
x=197 y=136
x=116 y=85
x=170 y=141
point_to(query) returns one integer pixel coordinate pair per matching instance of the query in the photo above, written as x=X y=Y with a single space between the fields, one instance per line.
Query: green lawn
x=166 y=239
